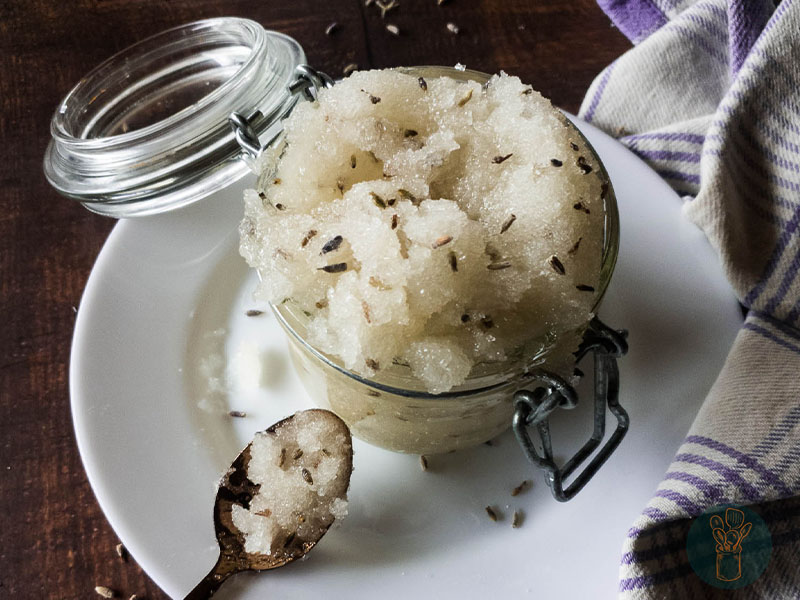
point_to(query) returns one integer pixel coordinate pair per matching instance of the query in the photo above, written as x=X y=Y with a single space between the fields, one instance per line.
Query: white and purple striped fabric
x=710 y=97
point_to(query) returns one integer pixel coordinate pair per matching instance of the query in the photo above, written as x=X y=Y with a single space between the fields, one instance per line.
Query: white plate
x=144 y=349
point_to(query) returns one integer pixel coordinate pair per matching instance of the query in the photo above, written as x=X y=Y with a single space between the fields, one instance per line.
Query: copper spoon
x=237 y=488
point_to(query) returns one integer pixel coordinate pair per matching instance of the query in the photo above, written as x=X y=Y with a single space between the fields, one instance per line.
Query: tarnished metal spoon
x=236 y=488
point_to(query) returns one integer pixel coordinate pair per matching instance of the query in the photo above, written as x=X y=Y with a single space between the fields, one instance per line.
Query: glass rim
x=139 y=49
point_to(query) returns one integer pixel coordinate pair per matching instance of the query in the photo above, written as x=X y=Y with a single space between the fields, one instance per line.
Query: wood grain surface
x=54 y=540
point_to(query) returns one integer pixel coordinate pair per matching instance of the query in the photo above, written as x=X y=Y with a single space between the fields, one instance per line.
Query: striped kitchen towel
x=710 y=97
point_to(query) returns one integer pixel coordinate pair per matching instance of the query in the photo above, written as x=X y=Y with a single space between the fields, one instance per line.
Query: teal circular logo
x=729 y=546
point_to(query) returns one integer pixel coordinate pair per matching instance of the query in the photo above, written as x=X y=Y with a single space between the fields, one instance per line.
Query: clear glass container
x=148 y=131
x=394 y=410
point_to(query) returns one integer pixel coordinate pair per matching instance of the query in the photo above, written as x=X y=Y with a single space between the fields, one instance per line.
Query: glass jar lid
x=147 y=130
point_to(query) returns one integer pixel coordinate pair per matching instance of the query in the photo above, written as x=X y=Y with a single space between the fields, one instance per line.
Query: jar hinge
x=533 y=409
x=306 y=80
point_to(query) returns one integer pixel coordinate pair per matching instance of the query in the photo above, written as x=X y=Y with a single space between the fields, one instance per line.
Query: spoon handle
x=211 y=582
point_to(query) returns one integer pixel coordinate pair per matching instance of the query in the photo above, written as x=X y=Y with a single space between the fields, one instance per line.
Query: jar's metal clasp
x=307 y=78
x=307 y=81
x=533 y=409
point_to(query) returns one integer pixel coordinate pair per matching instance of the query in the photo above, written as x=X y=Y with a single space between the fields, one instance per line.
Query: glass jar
x=393 y=409
x=147 y=130
x=182 y=114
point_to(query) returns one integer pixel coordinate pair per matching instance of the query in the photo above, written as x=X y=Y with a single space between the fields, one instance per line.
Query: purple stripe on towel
x=635 y=532
x=677 y=136
x=763 y=66
x=653 y=553
x=743 y=458
x=774 y=259
x=680 y=176
x=776 y=16
x=699 y=41
x=771 y=336
x=743 y=99
x=683 y=501
x=776 y=113
x=651 y=529
x=714 y=493
x=656 y=514
x=789 y=459
x=742 y=159
x=778 y=138
x=746 y=131
x=776 y=323
x=714 y=29
x=688 y=157
x=712 y=9
x=794 y=314
x=636 y=583
x=758 y=193
x=752 y=195
x=778 y=433
x=728 y=474
x=598 y=94
x=746 y=19
x=785 y=285
x=636 y=19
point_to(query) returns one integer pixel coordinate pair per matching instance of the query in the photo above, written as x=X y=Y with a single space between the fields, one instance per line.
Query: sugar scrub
x=434 y=223
x=302 y=466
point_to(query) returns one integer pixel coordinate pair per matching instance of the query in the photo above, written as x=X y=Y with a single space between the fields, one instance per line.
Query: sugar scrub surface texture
x=433 y=222
x=303 y=468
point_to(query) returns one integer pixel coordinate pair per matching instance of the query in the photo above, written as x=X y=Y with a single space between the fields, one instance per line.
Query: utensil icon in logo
x=734 y=551
x=729 y=536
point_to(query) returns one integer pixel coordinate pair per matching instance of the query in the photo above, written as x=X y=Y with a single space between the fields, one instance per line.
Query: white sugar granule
x=440 y=227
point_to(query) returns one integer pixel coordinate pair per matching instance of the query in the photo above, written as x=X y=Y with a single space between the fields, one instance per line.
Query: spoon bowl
x=734 y=518
x=716 y=522
x=731 y=539
x=237 y=488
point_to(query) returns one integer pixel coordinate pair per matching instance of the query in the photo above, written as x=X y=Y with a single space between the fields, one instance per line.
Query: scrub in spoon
x=280 y=496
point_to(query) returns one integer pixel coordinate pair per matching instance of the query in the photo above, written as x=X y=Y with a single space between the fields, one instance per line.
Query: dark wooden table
x=54 y=541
